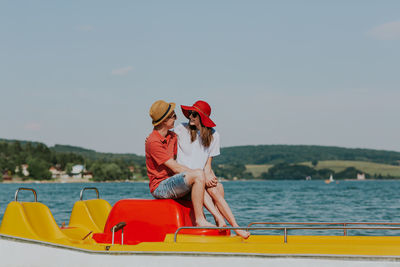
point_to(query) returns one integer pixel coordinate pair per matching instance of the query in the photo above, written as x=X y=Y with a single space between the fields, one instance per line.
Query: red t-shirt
x=159 y=149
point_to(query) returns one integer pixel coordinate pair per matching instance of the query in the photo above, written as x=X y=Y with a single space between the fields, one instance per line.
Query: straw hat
x=204 y=110
x=160 y=110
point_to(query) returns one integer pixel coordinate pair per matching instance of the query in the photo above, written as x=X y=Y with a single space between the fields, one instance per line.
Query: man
x=168 y=179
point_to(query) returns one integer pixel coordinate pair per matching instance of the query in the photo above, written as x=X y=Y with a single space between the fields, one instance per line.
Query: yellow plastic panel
x=42 y=221
x=16 y=223
x=30 y=220
x=90 y=214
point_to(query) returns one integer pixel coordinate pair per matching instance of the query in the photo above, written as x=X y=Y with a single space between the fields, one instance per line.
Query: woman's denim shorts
x=172 y=187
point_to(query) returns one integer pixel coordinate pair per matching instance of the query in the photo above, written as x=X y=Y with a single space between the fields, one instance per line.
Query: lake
x=289 y=201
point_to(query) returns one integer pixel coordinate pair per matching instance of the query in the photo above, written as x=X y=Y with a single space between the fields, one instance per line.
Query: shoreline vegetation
x=84 y=181
x=33 y=162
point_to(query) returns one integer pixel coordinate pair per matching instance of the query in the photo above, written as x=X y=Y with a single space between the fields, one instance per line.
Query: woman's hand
x=211 y=180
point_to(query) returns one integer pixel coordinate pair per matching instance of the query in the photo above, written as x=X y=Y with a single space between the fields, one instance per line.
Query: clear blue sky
x=85 y=73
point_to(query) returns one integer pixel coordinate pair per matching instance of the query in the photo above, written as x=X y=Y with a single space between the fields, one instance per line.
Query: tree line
x=230 y=164
x=39 y=158
x=285 y=171
x=274 y=154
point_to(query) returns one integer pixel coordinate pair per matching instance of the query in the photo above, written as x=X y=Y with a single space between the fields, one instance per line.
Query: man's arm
x=175 y=166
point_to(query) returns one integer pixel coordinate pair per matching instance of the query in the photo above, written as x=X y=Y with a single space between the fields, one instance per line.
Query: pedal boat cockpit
x=148 y=231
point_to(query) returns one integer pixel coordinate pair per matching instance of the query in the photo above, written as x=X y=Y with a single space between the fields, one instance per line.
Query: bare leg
x=196 y=179
x=210 y=206
x=224 y=208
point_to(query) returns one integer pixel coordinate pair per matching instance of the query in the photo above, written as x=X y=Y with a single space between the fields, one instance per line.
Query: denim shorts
x=173 y=187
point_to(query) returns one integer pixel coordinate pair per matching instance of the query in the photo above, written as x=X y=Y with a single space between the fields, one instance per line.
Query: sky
x=85 y=73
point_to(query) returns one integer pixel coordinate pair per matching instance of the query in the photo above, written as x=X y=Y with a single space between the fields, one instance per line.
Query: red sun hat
x=204 y=110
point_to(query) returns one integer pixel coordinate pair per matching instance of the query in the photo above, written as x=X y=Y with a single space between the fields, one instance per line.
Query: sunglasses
x=192 y=113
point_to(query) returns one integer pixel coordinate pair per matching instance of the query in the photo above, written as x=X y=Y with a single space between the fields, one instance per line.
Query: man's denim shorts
x=172 y=187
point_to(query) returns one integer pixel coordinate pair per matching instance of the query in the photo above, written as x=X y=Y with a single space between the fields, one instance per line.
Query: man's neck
x=162 y=131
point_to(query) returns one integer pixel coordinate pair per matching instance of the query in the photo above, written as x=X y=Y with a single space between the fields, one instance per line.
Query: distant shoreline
x=76 y=181
x=68 y=181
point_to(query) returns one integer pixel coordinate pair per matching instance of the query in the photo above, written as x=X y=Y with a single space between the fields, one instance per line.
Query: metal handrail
x=214 y=228
x=284 y=229
x=89 y=188
x=27 y=189
x=323 y=223
x=116 y=228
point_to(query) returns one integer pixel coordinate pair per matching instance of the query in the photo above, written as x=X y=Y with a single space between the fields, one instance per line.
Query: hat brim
x=205 y=120
x=171 y=109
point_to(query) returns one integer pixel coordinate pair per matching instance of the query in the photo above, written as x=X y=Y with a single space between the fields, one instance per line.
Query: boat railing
x=345 y=224
x=89 y=188
x=286 y=229
x=119 y=226
x=26 y=189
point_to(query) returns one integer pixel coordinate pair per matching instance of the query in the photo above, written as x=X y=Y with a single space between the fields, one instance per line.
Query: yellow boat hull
x=31 y=225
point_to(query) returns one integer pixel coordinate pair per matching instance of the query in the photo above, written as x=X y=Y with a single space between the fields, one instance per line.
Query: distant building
x=7 y=176
x=77 y=171
x=24 y=169
x=131 y=168
x=360 y=176
x=88 y=175
x=57 y=172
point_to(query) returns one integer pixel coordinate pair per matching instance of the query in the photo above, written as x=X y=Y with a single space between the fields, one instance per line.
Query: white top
x=194 y=155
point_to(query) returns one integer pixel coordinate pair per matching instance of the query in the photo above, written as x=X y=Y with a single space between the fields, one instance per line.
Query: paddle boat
x=144 y=232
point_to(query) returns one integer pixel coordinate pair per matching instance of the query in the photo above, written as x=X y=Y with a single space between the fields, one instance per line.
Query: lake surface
x=289 y=201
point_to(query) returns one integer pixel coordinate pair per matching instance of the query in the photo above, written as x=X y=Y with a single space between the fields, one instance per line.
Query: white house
x=77 y=171
x=56 y=172
x=24 y=169
x=360 y=176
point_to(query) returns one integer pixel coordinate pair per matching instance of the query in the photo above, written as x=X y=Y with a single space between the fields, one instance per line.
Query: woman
x=198 y=143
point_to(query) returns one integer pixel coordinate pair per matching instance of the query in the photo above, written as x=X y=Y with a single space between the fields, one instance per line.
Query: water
x=289 y=201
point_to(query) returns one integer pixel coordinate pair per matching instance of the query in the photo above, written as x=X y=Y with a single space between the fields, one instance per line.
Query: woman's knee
x=195 y=175
x=220 y=189
x=214 y=192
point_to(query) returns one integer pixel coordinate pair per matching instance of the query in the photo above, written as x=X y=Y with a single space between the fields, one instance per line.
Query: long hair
x=206 y=134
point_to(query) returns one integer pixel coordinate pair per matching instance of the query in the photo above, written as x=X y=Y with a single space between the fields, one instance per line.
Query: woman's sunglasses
x=192 y=113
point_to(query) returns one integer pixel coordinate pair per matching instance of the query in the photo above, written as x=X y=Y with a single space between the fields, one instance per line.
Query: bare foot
x=220 y=222
x=204 y=223
x=242 y=233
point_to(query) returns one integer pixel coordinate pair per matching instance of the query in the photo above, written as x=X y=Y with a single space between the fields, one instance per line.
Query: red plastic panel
x=150 y=220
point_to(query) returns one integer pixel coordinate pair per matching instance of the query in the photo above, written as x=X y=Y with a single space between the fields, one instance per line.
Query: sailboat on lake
x=330 y=180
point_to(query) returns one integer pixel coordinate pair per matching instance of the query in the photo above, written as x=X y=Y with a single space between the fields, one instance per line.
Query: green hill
x=93 y=155
x=374 y=169
x=22 y=142
x=39 y=158
x=87 y=153
x=274 y=154
x=371 y=168
x=240 y=161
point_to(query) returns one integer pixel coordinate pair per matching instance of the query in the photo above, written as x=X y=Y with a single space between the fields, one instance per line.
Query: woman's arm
x=211 y=179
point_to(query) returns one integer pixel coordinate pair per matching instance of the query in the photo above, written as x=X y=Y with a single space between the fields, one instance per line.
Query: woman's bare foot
x=242 y=233
x=220 y=222
x=204 y=223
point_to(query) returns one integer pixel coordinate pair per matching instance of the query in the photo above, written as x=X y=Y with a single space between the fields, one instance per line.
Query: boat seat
x=90 y=214
x=150 y=220
x=31 y=220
